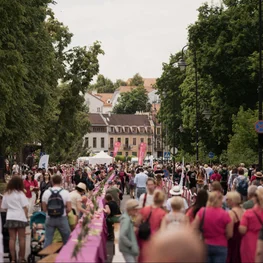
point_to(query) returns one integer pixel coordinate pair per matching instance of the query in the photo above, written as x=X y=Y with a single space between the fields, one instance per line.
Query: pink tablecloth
x=94 y=247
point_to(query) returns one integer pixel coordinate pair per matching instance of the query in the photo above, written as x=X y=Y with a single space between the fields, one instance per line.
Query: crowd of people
x=223 y=218
x=62 y=193
x=225 y=215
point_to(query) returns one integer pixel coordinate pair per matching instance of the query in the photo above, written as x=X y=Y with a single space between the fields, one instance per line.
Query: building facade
x=97 y=137
x=128 y=129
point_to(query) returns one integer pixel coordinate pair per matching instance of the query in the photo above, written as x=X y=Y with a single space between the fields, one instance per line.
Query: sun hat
x=176 y=190
x=258 y=174
x=82 y=186
x=132 y=204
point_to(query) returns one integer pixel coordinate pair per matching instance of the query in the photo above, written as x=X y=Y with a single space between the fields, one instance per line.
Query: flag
x=117 y=146
x=43 y=162
x=141 y=153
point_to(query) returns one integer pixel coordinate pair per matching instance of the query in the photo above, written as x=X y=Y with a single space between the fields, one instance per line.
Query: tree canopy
x=136 y=80
x=130 y=102
x=33 y=60
x=224 y=40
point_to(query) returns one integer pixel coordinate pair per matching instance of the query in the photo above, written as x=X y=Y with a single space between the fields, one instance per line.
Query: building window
x=119 y=139
x=142 y=139
x=112 y=129
x=142 y=130
x=102 y=143
x=111 y=153
x=111 y=142
x=119 y=153
x=158 y=131
x=134 y=129
x=158 y=144
x=99 y=129
x=149 y=153
x=126 y=154
x=134 y=153
x=87 y=141
x=127 y=129
x=98 y=109
x=94 y=142
x=120 y=129
x=149 y=141
x=134 y=141
x=126 y=141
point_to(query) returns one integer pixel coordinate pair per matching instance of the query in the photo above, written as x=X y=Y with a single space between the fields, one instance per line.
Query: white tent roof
x=101 y=158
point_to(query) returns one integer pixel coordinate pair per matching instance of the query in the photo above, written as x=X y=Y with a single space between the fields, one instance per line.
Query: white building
x=94 y=103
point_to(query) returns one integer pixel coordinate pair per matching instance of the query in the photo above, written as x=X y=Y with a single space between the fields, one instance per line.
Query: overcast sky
x=136 y=35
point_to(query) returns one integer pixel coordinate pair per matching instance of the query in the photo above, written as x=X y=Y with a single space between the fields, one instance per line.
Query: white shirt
x=169 y=208
x=74 y=198
x=64 y=194
x=37 y=175
x=149 y=200
x=15 y=168
x=140 y=180
x=15 y=203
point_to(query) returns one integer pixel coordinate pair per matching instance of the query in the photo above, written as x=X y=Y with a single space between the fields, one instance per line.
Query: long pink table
x=94 y=247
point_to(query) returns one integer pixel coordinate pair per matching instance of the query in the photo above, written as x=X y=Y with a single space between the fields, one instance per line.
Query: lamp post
x=260 y=135
x=182 y=65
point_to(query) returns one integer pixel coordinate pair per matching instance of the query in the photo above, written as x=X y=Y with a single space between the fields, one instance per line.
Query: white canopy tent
x=101 y=158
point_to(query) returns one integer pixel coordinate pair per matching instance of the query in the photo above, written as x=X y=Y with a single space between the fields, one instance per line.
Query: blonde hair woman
x=176 y=217
x=233 y=200
x=154 y=214
x=250 y=225
x=216 y=226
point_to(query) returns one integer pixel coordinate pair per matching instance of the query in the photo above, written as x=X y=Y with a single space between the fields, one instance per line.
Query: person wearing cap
x=176 y=191
x=128 y=245
x=76 y=198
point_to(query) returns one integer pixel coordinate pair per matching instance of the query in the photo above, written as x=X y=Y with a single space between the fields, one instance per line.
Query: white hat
x=82 y=186
x=176 y=190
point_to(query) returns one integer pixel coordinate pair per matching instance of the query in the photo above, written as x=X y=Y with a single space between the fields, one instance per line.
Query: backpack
x=55 y=204
x=131 y=183
x=242 y=186
x=145 y=228
x=224 y=175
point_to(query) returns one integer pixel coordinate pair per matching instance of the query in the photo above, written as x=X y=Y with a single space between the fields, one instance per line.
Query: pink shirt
x=215 y=222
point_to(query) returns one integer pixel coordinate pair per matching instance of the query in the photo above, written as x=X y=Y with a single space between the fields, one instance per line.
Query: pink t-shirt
x=214 y=228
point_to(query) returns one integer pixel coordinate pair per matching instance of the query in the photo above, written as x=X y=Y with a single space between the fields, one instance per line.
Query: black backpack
x=145 y=229
x=224 y=175
x=242 y=186
x=55 y=205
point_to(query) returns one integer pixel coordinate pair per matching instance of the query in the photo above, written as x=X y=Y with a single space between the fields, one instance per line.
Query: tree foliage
x=105 y=85
x=243 y=143
x=225 y=43
x=130 y=102
x=136 y=80
x=33 y=59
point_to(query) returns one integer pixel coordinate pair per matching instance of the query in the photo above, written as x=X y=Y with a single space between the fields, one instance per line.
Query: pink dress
x=249 y=240
x=155 y=222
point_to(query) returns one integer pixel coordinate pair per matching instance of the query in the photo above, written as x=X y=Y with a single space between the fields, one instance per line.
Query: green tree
x=118 y=83
x=243 y=143
x=137 y=80
x=223 y=39
x=27 y=77
x=103 y=85
x=130 y=102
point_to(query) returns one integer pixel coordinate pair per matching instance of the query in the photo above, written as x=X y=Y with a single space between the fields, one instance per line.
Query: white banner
x=43 y=162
